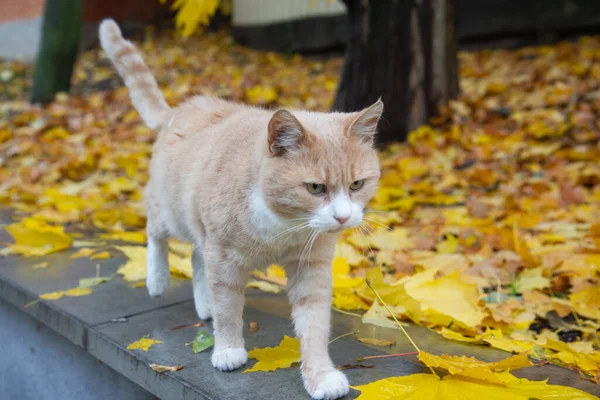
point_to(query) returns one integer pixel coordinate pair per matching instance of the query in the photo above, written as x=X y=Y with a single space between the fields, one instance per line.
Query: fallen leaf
x=253 y=327
x=135 y=267
x=196 y=325
x=202 y=341
x=468 y=378
x=471 y=368
x=52 y=295
x=353 y=366
x=377 y=342
x=89 y=282
x=431 y=387
x=85 y=252
x=37 y=238
x=163 y=368
x=264 y=286
x=273 y=358
x=531 y=279
x=103 y=255
x=78 y=291
x=41 y=265
x=75 y=292
x=143 y=344
x=134 y=237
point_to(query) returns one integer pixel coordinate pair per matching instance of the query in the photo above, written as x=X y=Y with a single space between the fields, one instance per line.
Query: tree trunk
x=59 y=44
x=405 y=52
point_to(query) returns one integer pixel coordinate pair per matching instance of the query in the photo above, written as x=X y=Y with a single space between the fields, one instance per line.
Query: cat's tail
x=145 y=94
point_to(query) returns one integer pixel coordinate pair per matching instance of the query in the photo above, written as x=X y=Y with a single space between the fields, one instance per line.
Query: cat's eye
x=357 y=185
x=315 y=188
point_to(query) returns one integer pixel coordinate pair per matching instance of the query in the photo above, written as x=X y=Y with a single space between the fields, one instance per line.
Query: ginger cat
x=250 y=187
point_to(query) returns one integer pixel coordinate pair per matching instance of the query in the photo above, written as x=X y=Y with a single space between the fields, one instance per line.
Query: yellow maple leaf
x=522 y=249
x=193 y=13
x=264 y=286
x=134 y=237
x=85 y=252
x=460 y=304
x=587 y=302
x=346 y=299
x=275 y=271
x=340 y=269
x=431 y=387
x=352 y=256
x=75 y=292
x=469 y=379
x=135 y=267
x=378 y=315
x=584 y=358
x=470 y=367
x=34 y=237
x=531 y=279
x=273 y=358
x=396 y=239
x=52 y=295
x=412 y=167
x=143 y=344
x=496 y=339
x=261 y=94
x=103 y=255
x=449 y=245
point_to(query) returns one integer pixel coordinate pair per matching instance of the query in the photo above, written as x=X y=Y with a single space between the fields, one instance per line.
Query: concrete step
x=104 y=323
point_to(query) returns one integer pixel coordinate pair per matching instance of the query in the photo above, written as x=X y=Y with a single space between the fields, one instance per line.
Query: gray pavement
x=88 y=322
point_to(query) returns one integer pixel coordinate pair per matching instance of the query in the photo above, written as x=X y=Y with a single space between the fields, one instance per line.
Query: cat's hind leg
x=201 y=295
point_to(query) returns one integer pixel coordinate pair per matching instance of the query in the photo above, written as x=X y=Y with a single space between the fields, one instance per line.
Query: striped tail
x=145 y=94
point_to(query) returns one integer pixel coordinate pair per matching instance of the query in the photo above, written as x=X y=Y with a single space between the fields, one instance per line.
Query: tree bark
x=59 y=44
x=404 y=51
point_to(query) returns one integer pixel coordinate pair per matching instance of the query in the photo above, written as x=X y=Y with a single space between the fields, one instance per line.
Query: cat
x=250 y=187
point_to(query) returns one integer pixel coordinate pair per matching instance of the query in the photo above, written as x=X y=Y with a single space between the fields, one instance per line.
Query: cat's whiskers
x=313 y=234
x=311 y=245
x=377 y=222
x=360 y=229
x=287 y=232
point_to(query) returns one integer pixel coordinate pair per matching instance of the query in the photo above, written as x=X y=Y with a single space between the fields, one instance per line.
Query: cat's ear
x=365 y=125
x=285 y=132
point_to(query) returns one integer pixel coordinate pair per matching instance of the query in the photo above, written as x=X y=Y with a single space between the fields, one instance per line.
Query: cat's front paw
x=328 y=385
x=229 y=359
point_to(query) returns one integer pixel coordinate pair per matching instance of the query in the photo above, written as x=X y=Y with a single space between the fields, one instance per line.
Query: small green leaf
x=89 y=282
x=203 y=341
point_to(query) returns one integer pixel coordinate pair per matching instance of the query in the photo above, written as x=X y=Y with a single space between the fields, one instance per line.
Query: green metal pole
x=59 y=44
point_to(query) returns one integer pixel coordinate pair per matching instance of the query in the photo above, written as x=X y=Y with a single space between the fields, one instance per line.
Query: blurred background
x=425 y=36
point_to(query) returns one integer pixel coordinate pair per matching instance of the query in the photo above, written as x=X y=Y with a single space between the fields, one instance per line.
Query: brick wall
x=145 y=11
x=14 y=10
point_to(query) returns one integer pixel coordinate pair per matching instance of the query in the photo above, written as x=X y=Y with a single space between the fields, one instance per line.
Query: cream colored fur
x=232 y=180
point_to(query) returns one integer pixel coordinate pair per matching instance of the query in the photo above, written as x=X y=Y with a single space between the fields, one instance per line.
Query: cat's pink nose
x=342 y=220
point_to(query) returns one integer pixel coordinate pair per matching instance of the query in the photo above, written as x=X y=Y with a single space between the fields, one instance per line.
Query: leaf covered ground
x=486 y=227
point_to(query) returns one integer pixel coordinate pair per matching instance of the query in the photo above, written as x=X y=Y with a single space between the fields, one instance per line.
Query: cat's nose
x=342 y=220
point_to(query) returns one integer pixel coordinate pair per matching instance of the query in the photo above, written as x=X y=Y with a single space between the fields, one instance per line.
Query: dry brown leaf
x=377 y=342
x=253 y=327
x=163 y=368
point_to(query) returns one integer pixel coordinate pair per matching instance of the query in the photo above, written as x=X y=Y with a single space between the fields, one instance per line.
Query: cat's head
x=321 y=168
